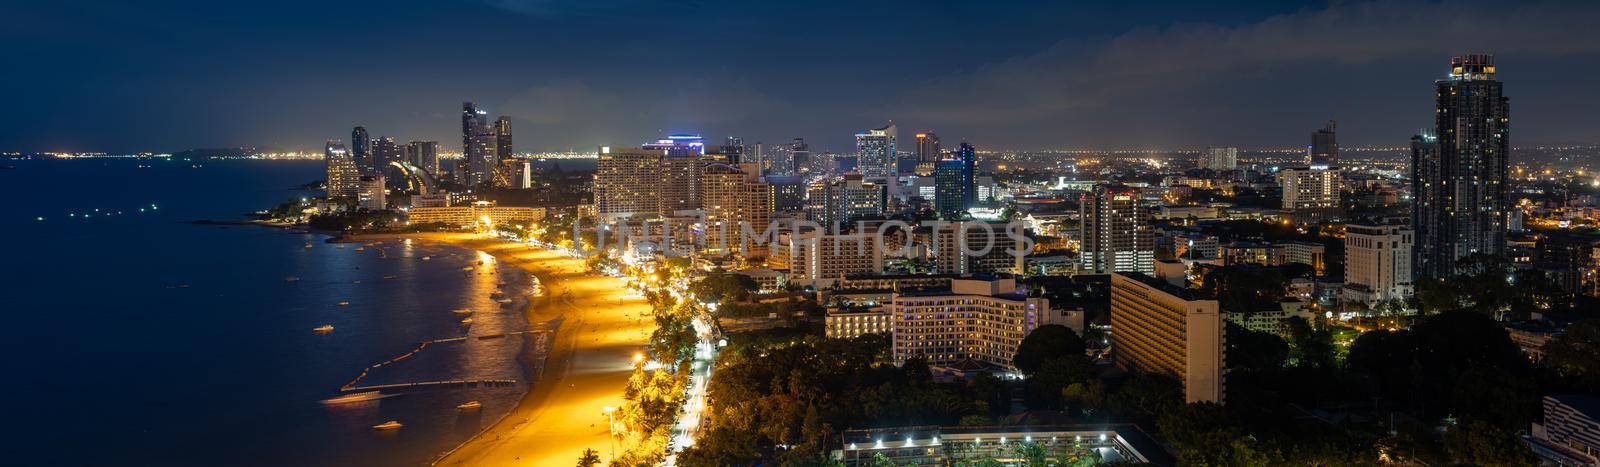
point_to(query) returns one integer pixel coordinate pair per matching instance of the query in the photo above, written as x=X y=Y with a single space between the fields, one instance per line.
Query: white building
x=1313 y=189
x=1377 y=263
x=1164 y=329
x=979 y=319
x=1221 y=159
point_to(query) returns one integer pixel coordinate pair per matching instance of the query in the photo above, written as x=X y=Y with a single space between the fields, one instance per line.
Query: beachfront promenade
x=590 y=359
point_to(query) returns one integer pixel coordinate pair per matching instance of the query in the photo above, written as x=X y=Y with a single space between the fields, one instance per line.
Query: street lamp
x=611 y=428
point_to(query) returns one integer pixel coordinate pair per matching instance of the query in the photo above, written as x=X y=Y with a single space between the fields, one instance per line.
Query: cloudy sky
x=171 y=75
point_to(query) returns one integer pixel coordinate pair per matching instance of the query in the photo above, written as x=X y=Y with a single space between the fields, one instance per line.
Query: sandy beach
x=588 y=365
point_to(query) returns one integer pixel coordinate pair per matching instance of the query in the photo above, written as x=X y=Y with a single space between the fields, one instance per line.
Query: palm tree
x=589 y=458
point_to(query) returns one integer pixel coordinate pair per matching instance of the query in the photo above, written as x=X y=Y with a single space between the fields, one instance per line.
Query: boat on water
x=469 y=406
x=357 y=281
x=357 y=397
x=462 y=311
x=323 y=328
x=387 y=426
x=466 y=268
x=291 y=279
x=308 y=246
x=504 y=300
x=361 y=248
x=344 y=303
x=426 y=258
x=391 y=277
x=466 y=320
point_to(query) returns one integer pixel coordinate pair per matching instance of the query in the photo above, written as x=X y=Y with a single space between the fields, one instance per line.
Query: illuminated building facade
x=343 y=173
x=627 y=182
x=477 y=145
x=1377 y=263
x=1116 y=235
x=982 y=319
x=875 y=152
x=1459 y=175
x=1164 y=329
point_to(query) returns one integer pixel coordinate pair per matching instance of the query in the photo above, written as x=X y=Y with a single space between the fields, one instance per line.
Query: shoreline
x=585 y=368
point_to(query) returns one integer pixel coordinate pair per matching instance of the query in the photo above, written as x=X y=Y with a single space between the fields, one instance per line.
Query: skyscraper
x=477 y=144
x=1324 y=146
x=1459 y=177
x=361 y=146
x=875 y=151
x=1116 y=235
x=928 y=153
x=425 y=155
x=502 y=139
x=844 y=200
x=1220 y=159
x=953 y=182
x=800 y=153
x=344 y=175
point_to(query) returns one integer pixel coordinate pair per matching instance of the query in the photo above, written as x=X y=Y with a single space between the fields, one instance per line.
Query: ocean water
x=137 y=338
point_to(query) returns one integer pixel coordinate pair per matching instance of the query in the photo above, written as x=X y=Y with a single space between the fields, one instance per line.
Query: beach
x=588 y=364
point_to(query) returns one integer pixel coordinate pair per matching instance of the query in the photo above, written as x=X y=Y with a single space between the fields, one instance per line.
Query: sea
x=137 y=337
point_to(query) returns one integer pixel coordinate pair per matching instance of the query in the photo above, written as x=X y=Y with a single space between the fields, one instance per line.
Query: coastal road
x=587 y=368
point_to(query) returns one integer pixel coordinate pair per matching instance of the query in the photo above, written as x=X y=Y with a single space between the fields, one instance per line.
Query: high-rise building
x=928 y=153
x=734 y=197
x=758 y=156
x=370 y=194
x=828 y=258
x=788 y=192
x=424 y=155
x=1311 y=192
x=344 y=175
x=361 y=147
x=1324 y=148
x=1165 y=329
x=477 y=144
x=978 y=319
x=1460 y=191
x=627 y=182
x=384 y=151
x=844 y=200
x=955 y=189
x=1116 y=235
x=502 y=139
x=1377 y=263
x=1220 y=159
x=875 y=152
x=800 y=157
x=959 y=248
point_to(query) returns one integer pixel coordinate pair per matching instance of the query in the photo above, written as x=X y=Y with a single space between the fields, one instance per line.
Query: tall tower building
x=361 y=146
x=425 y=155
x=844 y=200
x=344 y=175
x=875 y=151
x=1460 y=191
x=1116 y=235
x=502 y=139
x=627 y=182
x=1324 y=146
x=477 y=144
x=1220 y=159
x=928 y=153
x=800 y=153
x=954 y=191
x=735 y=196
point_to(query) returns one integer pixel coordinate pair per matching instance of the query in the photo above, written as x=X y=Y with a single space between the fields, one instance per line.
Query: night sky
x=172 y=75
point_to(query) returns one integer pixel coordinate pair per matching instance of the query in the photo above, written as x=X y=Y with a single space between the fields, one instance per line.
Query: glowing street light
x=611 y=427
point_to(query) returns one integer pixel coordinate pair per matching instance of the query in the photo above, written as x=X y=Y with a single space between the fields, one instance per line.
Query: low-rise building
x=930 y=445
x=1570 y=432
x=848 y=323
x=473 y=215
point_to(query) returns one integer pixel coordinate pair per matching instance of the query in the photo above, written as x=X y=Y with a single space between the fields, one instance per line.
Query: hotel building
x=1160 y=328
x=980 y=319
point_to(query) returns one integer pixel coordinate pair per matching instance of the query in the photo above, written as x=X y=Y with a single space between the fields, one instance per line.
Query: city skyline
x=1032 y=85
